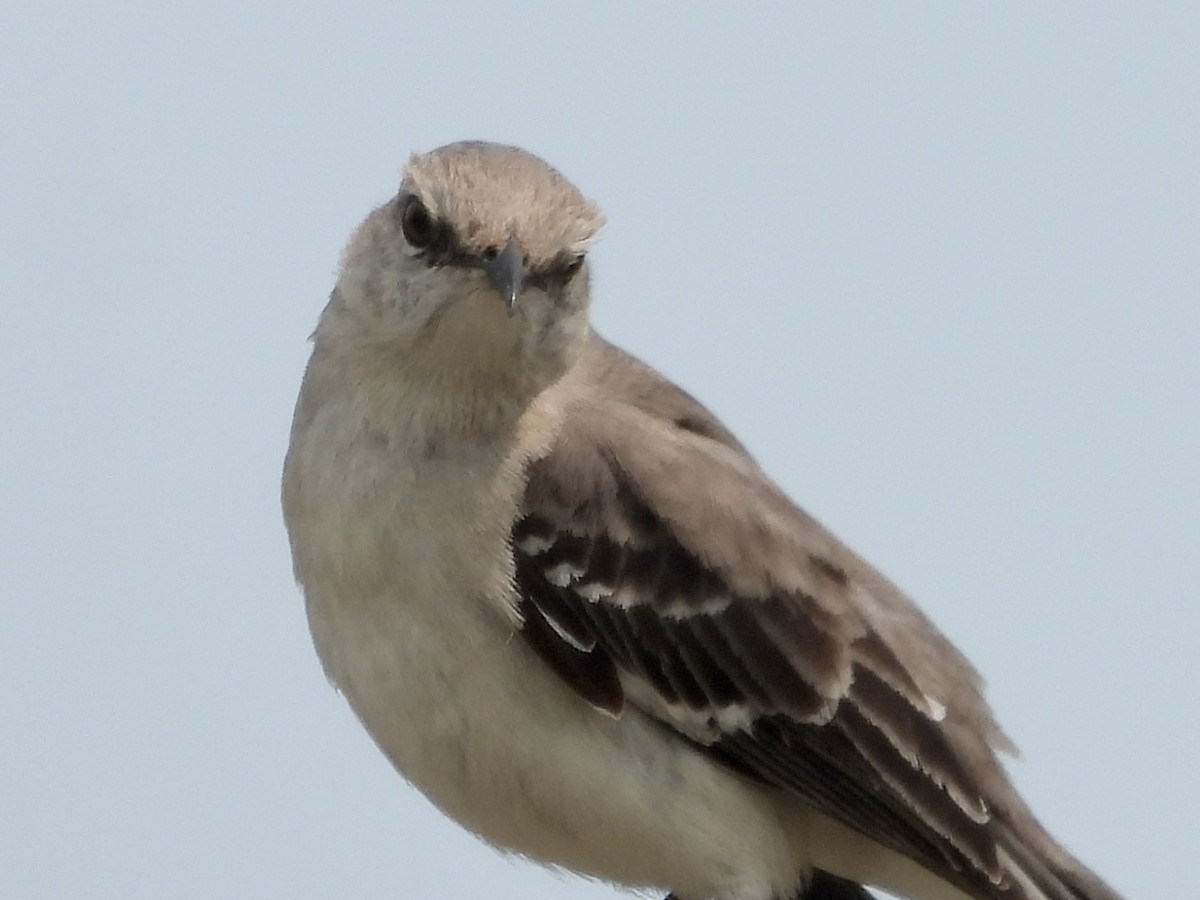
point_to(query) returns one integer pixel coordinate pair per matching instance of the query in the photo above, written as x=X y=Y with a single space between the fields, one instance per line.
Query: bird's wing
x=659 y=567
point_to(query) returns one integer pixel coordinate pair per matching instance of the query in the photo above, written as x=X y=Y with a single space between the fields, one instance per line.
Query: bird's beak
x=507 y=273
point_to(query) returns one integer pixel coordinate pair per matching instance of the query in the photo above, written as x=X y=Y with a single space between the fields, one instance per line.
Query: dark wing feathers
x=767 y=678
x=823 y=886
x=666 y=570
x=558 y=634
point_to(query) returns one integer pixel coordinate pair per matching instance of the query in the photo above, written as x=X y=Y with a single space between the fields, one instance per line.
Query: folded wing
x=659 y=567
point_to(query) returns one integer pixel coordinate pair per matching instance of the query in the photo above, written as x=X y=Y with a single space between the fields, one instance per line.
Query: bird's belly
x=471 y=717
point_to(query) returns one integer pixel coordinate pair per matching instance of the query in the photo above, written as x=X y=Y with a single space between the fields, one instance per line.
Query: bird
x=575 y=613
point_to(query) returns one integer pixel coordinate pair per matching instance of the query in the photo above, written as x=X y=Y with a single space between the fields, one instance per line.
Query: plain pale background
x=937 y=266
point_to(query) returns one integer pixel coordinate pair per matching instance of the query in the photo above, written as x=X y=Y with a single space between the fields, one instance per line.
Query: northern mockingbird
x=576 y=614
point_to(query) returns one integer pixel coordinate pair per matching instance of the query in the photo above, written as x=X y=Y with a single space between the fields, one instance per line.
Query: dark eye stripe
x=440 y=245
x=557 y=274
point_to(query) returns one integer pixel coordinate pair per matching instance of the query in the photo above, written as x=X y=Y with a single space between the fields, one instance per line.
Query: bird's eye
x=418 y=226
x=571 y=266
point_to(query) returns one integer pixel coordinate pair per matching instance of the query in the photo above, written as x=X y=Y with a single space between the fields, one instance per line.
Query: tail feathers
x=1052 y=874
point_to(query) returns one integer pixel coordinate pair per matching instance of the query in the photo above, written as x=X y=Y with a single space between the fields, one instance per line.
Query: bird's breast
x=408 y=582
x=405 y=565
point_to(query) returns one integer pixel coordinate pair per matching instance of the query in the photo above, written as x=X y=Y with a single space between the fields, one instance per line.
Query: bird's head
x=475 y=268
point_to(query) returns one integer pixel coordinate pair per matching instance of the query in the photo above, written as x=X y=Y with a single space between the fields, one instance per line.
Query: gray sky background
x=937 y=266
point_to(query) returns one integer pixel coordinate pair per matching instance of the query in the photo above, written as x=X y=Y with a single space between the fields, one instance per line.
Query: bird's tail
x=1051 y=873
